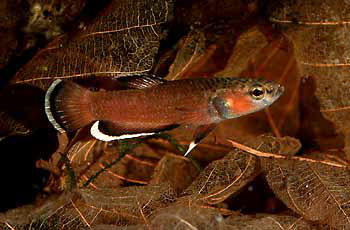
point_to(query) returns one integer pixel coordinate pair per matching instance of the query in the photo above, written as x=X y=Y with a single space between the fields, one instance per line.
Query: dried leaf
x=123 y=40
x=113 y=167
x=132 y=203
x=247 y=47
x=264 y=221
x=40 y=215
x=178 y=171
x=317 y=191
x=87 y=208
x=223 y=177
x=189 y=55
x=320 y=47
x=187 y=216
x=9 y=126
x=113 y=227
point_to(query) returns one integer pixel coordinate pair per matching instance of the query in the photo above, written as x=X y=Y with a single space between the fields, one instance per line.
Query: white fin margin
x=190 y=147
x=96 y=133
x=48 y=106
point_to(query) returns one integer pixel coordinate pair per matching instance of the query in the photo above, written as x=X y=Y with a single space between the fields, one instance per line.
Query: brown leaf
x=192 y=50
x=86 y=208
x=322 y=53
x=315 y=190
x=246 y=48
x=122 y=40
x=9 y=126
x=177 y=171
x=265 y=221
x=40 y=214
x=111 y=168
x=131 y=203
x=191 y=215
x=223 y=177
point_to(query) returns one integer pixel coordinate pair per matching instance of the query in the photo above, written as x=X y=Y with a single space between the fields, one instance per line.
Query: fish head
x=245 y=97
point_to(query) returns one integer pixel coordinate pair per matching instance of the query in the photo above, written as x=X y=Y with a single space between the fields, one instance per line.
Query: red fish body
x=152 y=105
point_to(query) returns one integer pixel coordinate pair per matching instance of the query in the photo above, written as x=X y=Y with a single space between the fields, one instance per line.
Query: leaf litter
x=146 y=183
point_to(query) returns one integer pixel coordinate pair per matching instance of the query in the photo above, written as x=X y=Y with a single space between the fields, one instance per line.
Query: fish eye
x=257 y=92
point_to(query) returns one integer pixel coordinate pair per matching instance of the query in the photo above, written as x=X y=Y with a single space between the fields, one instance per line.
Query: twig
x=188 y=224
x=120 y=177
x=9 y=226
x=144 y=218
x=124 y=148
x=141 y=161
x=93 y=219
x=335 y=109
x=272 y=123
x=279 y=156
x=81 y=215
x=90 y=184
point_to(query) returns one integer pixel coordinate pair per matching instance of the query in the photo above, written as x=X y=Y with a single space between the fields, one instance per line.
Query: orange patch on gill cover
x=239 y=103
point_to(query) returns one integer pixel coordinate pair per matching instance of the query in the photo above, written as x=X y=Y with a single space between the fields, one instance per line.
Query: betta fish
x=151 y=105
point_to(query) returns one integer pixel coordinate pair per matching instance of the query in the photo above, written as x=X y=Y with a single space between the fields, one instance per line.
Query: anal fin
x=99 y=134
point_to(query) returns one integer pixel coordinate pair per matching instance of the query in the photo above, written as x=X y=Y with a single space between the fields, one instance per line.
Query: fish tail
x=67 y=106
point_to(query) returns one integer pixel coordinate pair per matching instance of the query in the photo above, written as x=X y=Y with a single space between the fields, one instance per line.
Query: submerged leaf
x=178 y=171
x=248 y=46
x=188 y=216
x=9 y=126
x=123 y=40
x=223 y=177
x=320 y=33
x=131 y=203
x=317 y=191
x=264 y=221
x=86 y=208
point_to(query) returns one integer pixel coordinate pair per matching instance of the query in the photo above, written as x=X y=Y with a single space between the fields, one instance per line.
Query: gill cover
x=222 y=107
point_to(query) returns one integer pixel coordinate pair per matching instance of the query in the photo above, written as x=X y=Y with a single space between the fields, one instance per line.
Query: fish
x=150 y=105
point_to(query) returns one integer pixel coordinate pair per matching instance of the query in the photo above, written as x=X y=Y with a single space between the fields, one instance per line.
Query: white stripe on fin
x=96 y=133
x=190 y=147
x=48 y=106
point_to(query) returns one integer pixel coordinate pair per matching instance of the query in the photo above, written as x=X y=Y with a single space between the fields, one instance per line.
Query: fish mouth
x=279 y=91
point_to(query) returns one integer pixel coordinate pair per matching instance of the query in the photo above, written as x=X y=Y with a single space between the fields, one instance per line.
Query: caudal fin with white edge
x=67 y=106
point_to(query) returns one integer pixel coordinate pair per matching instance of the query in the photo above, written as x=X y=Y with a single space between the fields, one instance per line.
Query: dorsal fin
x=141 y=81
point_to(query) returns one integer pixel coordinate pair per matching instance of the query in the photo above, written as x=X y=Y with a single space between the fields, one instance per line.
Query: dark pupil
x=257 y=92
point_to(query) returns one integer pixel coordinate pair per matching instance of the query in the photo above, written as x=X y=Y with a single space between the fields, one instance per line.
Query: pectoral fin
x=200 y=133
